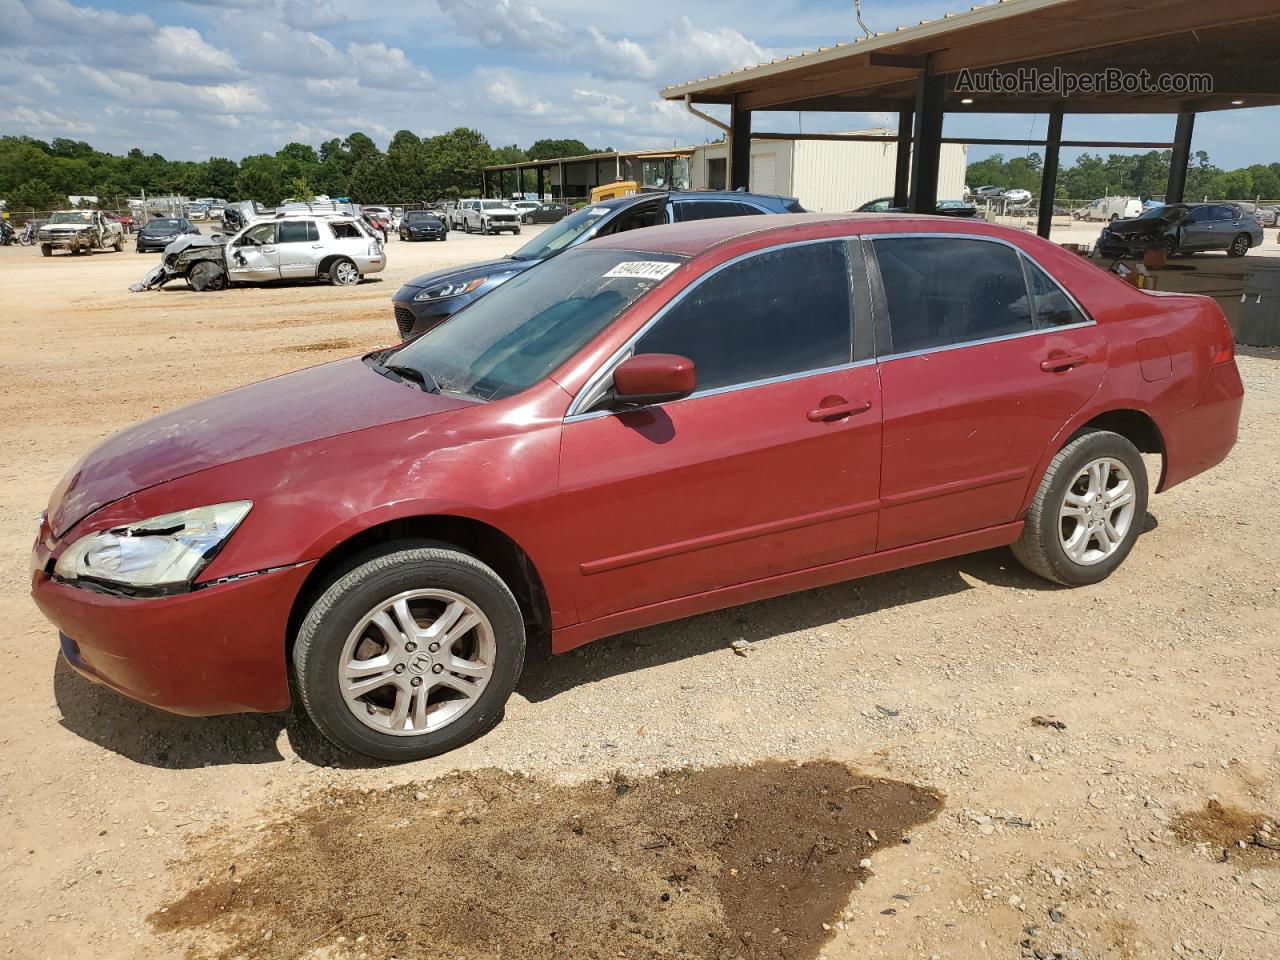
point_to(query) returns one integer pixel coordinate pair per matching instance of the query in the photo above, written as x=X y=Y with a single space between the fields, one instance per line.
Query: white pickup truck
x=490 y=216
x=80 y=231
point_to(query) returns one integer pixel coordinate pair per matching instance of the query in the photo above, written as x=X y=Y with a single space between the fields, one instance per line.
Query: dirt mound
x=724 y=862
x=1237 y=835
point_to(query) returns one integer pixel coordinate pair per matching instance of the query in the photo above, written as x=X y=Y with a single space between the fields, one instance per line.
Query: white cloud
x=44 y=122
x=511 y=24
x=182 y=52
x=136 y=89
x=387 y=68
x=310 y=14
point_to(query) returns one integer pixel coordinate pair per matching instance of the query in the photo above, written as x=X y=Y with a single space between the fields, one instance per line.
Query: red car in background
x=652 y=425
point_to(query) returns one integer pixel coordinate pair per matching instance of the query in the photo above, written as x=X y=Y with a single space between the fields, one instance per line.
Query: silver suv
x=490 y=216
x=334 y=247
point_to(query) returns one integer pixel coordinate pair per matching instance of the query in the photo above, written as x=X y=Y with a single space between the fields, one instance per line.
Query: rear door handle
x=838 y=411
x=1064 y=362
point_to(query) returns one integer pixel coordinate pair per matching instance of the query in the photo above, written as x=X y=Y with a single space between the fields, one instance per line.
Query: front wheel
x=412 y=653
x=1088 y=511
x=1239 y=246
x=344 y=273
x=118 y=246
x=46 y=250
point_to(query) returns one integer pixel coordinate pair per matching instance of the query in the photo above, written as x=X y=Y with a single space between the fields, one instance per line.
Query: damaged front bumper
x=179 y=260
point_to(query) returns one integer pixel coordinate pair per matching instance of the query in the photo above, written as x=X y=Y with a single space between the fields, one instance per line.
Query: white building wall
x=833 y=176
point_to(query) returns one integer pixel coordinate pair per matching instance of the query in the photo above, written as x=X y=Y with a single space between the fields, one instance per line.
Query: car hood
x=293 y=409
x=1136 y=225
x=66 y=227
x=487 y=269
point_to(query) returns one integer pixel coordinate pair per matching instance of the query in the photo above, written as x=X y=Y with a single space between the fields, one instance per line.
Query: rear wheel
x=1239 y=246
x=344 y=273
x=411 y=653
x=1088 y=511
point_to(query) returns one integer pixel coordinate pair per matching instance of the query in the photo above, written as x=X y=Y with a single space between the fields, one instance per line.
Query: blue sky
x=195 y=78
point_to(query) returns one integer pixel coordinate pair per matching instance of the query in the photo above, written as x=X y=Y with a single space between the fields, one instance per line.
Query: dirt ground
x=1098 y=840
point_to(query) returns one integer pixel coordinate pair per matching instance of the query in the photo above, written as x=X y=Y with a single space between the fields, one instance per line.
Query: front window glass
x=256 y=236
x=564 y=233
x=780 y=312
x=72 y=216
x=949 y=290
x=515 y=336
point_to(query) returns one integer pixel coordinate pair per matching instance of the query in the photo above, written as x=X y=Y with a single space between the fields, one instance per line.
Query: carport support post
x=902 y=161
x=926 y=154
x=1181 y=158
x=1049 y=173
x=542 y=182
x=739 y=147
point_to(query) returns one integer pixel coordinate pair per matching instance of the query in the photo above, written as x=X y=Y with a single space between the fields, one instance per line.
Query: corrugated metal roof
x=883 y=41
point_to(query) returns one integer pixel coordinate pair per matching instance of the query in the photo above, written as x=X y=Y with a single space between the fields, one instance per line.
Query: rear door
x=300 y=248
x=978 y=374
x=254 y=254
x=771 y=466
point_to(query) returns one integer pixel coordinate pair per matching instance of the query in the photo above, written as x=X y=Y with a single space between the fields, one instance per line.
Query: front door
x=771 y=466
x=254 y=255
x=979 y=373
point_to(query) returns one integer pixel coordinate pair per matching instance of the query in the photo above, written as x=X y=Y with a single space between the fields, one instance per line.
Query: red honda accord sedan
x=653 y=425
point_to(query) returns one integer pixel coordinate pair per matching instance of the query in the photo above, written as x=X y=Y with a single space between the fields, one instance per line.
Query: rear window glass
x=943 y=291
x=1052 y=306
x=345 y=230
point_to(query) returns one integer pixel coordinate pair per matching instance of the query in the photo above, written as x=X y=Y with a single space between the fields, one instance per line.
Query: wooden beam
x=906 y=60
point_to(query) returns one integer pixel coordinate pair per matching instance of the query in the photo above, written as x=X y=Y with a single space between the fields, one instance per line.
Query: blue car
x=428 y=300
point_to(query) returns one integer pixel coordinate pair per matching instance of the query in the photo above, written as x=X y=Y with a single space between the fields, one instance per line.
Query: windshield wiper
x=403 y=373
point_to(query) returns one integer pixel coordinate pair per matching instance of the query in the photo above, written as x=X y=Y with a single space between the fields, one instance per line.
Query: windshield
x=1172 y=214
x=72 y=216
x=162 y=225
x=420 y=215
x=493 y=205
x=551 y=241
x=509 y=340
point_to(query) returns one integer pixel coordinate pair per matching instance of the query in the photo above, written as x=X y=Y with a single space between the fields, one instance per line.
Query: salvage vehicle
x=432 y=298
x=1182 y=228
x=647 y=427
x=946 y=208
x=456 y=212
x=80 y=231
x=292 y=246
x=422 y=225
x=490 y=216
x=162 y=231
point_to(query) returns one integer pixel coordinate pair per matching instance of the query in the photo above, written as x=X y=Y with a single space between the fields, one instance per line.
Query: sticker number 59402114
x=643 y=269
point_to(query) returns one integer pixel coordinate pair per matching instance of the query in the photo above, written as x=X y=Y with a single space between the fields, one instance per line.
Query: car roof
x=695 y=237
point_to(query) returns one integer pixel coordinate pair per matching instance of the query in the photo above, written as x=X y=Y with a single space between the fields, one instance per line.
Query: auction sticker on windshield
x=643 y=269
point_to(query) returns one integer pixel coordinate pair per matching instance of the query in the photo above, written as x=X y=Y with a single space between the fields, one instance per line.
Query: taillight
x=1226 y=350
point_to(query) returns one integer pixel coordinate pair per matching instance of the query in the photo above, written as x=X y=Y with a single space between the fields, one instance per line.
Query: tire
x=1041 y=547
x=206 y=275
x=338 y=629
x=516 y=231
x=118 y=246
x=46 y=250
x=344 y=273
x=1171 y=246
x=1239 y=246
x=1113 y=218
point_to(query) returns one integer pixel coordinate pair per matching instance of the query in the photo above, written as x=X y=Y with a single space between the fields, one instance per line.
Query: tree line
x=40 y=175
x=1130 y=175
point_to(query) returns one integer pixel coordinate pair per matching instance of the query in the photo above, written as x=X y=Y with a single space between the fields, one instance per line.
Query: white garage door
x=764 y=173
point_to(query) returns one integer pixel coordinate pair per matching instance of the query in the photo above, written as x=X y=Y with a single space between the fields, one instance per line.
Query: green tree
x=454 y=161
x=35 y=195
x=260 y=178
x=554 y=149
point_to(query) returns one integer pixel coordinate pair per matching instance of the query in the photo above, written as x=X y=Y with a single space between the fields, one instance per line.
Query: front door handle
x=838 y=411
x=1063 y=362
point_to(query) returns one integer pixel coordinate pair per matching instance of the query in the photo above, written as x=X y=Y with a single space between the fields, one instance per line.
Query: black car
x=1182 y=228
x=162 y=231
x=550 y=212
x=422 y=225
x=432 y=298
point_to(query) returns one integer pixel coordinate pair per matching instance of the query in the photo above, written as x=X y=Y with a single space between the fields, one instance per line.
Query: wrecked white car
x=80 y=231
x=339 y=249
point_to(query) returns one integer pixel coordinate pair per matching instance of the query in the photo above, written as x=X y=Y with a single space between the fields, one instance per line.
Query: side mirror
x=649 y=378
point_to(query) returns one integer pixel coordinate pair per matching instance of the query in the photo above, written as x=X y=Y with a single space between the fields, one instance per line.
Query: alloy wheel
x=417 y=662
x=346 y=273
x=1097 y=511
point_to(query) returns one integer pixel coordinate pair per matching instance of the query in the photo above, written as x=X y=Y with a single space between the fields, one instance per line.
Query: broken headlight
x=165 y=551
